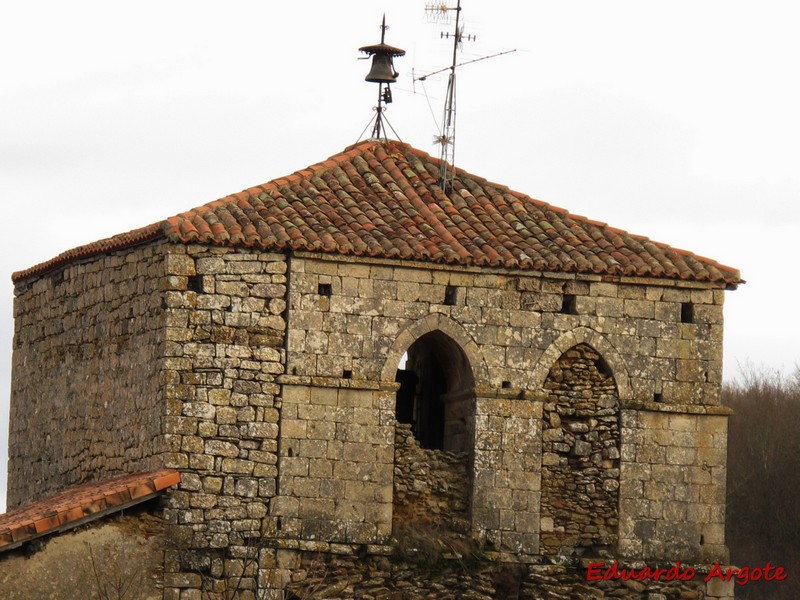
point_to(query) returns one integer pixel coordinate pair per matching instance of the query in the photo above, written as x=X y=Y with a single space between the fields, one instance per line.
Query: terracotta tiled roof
x=81 y=504
x=382 y=199
x=122 y=240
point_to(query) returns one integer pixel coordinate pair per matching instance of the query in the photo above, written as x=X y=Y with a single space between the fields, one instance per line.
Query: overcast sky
x=677 y=120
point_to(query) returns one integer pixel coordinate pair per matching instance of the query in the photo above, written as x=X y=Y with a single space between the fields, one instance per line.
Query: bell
x=382 y=70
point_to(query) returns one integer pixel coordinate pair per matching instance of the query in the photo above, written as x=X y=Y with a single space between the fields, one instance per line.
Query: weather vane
x=382 y=73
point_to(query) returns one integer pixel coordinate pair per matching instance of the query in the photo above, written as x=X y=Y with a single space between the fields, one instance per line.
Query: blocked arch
x=429 y=324
x=580 y=456
x=584 y=335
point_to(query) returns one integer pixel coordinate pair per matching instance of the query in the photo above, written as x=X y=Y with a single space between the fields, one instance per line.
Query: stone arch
x=584 y=335
x=429 y=324
x=437 y=393
x=581 y=435
x=434 y=434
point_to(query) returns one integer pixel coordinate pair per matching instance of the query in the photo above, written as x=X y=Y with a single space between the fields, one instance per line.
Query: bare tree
x=764 y=478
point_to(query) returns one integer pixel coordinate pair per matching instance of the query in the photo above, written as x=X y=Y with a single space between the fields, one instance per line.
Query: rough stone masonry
x=575 y=414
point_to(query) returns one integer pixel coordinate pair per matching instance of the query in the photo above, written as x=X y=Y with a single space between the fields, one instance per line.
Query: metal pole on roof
x=447 y=134
x=382 y=72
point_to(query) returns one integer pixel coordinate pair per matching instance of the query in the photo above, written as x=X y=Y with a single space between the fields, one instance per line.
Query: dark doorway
x=419 y=402
x=404 y=407
x=433 y=444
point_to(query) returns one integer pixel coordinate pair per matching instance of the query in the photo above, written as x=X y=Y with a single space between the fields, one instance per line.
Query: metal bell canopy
x=382 y=72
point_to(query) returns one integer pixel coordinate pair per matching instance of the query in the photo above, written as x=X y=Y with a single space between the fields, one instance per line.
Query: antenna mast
x=446 y=138
x=448 y=134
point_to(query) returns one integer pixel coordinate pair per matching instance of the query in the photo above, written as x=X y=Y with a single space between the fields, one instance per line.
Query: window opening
x=568 y=305
x=434 y=410
x=435 y=383
x=450 y=294
x=687 y=312
x=195 y=284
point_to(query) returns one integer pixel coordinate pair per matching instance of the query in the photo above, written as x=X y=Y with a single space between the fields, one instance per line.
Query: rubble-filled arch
x=584 y=335
x=580 y=456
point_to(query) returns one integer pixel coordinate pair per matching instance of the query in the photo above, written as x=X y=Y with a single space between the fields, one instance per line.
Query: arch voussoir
x=429 y=324
x=585 y=335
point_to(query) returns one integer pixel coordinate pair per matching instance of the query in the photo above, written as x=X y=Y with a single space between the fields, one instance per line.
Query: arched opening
x=433 y=441
x=580 y=456
x=436 y=393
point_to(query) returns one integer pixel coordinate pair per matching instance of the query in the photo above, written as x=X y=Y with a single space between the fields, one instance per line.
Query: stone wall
x=507 y=473
x=431 y=487
x=580 y=460
x=361 y=316
x=225 y=328
x=336 y=463
x=269 y=381
x=477 y=577
x=86 y=387
x=672 y=485
x=496 y=336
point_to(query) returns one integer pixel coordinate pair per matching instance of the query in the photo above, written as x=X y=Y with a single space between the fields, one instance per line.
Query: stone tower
x=561 y=374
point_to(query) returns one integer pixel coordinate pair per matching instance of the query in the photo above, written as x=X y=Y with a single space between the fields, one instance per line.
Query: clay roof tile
x=383 y=199
x=80 y=504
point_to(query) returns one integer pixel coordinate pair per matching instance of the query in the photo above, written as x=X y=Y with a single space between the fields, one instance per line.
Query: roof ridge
x=128 y=239
x=382 y=198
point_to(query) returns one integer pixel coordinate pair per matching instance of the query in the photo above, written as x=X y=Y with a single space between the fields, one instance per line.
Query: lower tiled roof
x=81 y=504
x=382 y=199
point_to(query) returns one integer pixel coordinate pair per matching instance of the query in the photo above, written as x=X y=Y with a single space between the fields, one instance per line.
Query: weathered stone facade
x=595 y=428
x=672 y=494
x=500 y=339
x=225 y=330
x=87 y=400
x=473 y=578
x=572 y=413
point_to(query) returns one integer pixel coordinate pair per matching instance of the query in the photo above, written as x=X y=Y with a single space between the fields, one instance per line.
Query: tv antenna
x=441 y=13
